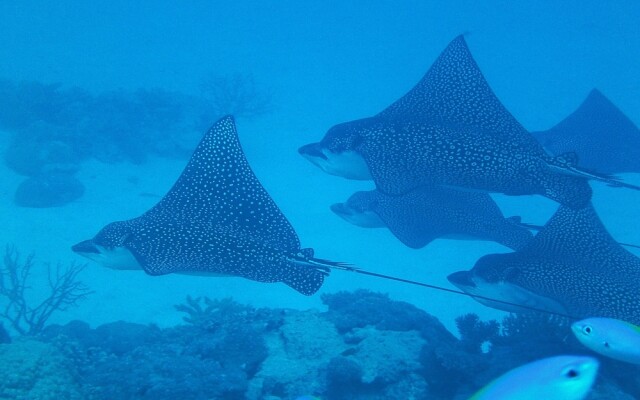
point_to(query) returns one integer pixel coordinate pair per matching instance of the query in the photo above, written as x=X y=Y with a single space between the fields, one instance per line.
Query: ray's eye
x=587 y=330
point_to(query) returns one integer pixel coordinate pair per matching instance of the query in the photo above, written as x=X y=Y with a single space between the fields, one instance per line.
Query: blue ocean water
x=121 y=92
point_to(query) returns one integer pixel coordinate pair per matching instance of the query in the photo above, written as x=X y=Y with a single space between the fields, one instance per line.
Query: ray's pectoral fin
x=306 y=274
x=390 y=176
x=570 y=190
x=414 y=236
x=306 y=281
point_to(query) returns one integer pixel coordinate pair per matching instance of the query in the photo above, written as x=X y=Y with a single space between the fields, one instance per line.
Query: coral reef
x=350 y=310
x=54 y=129
x=41 y=149
x=474 y=333
x=298 y=353
x=65 y=290
x=387 y=356
x=226 y=350
x=132 y=361
x=31 y=369
x=518 y=329
x=57 y=127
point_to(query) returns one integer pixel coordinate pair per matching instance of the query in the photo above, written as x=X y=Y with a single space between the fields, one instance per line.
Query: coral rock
x=48 y=191
x=30 y=369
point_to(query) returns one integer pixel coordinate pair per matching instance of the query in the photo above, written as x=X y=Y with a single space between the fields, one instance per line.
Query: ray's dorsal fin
x=454 y=90
x=580 y=236
x=218 y=187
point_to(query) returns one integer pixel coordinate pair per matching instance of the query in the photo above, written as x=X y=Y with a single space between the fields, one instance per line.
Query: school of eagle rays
x=434 y=156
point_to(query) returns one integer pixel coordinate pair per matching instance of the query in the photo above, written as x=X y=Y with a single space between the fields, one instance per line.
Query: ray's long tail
x=567 y=164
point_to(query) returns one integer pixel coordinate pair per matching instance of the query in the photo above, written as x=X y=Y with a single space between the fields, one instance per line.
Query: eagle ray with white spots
x=573 y=263
x=451 y=130
x=217 y=219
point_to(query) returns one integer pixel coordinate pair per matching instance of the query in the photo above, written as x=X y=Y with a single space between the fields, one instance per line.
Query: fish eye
x=570 y=373
x=606 y=344
x=587 y=330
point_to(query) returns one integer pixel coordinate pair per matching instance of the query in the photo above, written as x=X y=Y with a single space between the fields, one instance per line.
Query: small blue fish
x=553 y=378
x=610 y=337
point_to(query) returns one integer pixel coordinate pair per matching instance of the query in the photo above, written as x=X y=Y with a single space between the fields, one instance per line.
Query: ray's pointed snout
x=312 y=150
x=85 y=246
x=461 y=278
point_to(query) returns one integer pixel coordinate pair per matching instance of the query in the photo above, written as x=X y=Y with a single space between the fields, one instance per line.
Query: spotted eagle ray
x=451 y=130
x=217 y=219
x=427 y=213
x=602 y=136
x=572 y=266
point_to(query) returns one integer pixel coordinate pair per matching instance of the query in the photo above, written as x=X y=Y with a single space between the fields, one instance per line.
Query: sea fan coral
x=65 y=291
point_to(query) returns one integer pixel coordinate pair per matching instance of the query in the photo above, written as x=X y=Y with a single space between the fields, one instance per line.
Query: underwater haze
x=103 y=103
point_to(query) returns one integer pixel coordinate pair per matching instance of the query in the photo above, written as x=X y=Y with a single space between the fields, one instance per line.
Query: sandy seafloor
x=540 y=59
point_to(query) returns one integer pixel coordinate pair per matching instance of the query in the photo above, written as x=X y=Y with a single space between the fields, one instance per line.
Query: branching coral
x=208 y=314
x=65 y=291
x=474 y=332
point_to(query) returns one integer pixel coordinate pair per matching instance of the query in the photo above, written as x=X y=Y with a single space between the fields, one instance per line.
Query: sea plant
x=474 y=333
x=65 y=290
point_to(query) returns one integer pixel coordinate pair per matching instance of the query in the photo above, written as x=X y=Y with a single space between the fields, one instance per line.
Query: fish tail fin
x=567 y=163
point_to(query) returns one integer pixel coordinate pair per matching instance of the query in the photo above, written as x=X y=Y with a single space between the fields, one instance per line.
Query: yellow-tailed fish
x=554 y=378
x=610 y=337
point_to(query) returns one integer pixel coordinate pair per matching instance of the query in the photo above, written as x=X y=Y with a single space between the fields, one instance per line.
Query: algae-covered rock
x=381 y=365
x=387 y=356
x=30 y=369
x=30 y=153
x=49 y=190
x=298 y=355
x=361 y=308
